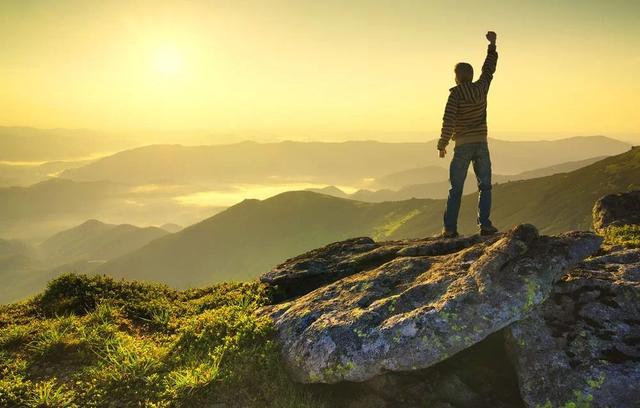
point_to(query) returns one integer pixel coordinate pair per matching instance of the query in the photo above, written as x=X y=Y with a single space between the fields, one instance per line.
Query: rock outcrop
x=583 y=344
x=616 y=210
x=319 y=267
x=402 y=307
x=470 y=322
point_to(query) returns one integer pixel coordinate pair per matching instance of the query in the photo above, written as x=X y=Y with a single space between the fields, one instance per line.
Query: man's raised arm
x=489 y=66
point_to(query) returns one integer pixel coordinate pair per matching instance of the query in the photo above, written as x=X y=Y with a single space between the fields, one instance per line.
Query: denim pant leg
x=482 y=169
x=457 y=174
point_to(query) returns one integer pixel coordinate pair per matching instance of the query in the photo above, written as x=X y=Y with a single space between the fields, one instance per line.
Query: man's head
x=464 y=72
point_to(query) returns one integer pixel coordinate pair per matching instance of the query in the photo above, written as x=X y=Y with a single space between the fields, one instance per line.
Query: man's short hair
x=464 y=72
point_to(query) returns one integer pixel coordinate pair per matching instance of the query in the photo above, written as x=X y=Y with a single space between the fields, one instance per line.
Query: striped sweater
x=465 y=116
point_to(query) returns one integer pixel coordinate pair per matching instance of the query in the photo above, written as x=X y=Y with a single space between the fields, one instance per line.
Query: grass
x=626 y=235
x=93 y=341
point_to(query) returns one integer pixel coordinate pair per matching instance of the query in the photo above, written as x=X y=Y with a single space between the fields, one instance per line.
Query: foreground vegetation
x=92 y=341
x=625 y=235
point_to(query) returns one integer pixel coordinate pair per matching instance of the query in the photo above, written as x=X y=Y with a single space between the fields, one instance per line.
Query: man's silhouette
x=465 y=122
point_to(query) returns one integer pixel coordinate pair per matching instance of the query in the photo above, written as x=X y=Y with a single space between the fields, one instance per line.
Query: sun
x=168 y=60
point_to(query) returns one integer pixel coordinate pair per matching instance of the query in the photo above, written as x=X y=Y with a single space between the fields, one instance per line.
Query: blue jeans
x=478 y=154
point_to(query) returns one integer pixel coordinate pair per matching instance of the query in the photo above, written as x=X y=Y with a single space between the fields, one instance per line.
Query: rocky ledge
x=397 y=316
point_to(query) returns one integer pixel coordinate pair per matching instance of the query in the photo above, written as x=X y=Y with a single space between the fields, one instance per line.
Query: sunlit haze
x=299 y=68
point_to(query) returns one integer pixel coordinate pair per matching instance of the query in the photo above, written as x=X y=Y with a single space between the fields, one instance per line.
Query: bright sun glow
x=168 y=60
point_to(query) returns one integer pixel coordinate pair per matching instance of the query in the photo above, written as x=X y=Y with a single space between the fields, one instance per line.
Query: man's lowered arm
x=448 y=122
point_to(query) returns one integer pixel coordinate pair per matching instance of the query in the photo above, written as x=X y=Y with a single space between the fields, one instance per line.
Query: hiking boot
x=490 y=230
x=448 y=234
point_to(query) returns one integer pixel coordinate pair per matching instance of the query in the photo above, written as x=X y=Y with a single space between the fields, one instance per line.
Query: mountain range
x=43 y=208
x=409 y=186
x=36 y=212
x=252 y=236
x=353 y=163
x=248 y=238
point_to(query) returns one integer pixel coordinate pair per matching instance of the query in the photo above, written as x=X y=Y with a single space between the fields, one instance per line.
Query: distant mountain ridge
x=25 y=268
x=440 y=189
x=38 y=211
x=25 y=175
x=43 y=208
x=31 y=144
x=351 y=162
x=96 y=241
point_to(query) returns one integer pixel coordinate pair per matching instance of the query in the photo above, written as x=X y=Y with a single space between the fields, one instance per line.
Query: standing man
x=465 y=122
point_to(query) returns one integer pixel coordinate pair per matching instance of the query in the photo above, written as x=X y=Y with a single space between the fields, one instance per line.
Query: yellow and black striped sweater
x=465 y=116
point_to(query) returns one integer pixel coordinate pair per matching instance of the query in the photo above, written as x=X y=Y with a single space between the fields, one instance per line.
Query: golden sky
x=304 y=66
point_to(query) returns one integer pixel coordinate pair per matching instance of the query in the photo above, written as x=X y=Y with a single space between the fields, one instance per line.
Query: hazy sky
x=296 y=67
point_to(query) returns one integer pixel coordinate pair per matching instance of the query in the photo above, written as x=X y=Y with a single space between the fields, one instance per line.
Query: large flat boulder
x=302 y=274
x=582 y=346
x=616 y=210
x=414 y=311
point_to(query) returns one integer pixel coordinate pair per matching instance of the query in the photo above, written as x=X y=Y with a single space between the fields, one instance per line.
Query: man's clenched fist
x=491 y=36
x=442 y=153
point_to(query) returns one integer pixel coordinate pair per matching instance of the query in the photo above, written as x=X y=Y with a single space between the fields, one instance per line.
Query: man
x=465 y=122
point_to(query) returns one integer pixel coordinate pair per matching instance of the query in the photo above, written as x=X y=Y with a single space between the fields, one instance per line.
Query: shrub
x=80 y=294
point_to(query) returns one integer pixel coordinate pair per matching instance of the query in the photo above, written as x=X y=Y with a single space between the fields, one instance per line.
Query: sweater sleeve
x=449 y=120
x=489 y=67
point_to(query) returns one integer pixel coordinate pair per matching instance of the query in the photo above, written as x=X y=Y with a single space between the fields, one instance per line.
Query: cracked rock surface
x=582 y=346
x=311 y=270
x=403 y=305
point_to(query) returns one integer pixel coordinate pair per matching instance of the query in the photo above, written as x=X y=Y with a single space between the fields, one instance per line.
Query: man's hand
x=491 y=36
x=442 y=153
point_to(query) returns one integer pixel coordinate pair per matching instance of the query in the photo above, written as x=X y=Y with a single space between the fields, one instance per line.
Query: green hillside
x=251 y=237
x=554 y=203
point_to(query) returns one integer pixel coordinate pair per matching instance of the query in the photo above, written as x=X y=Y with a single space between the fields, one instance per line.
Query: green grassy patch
x=626 y=235
x=94 y=341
